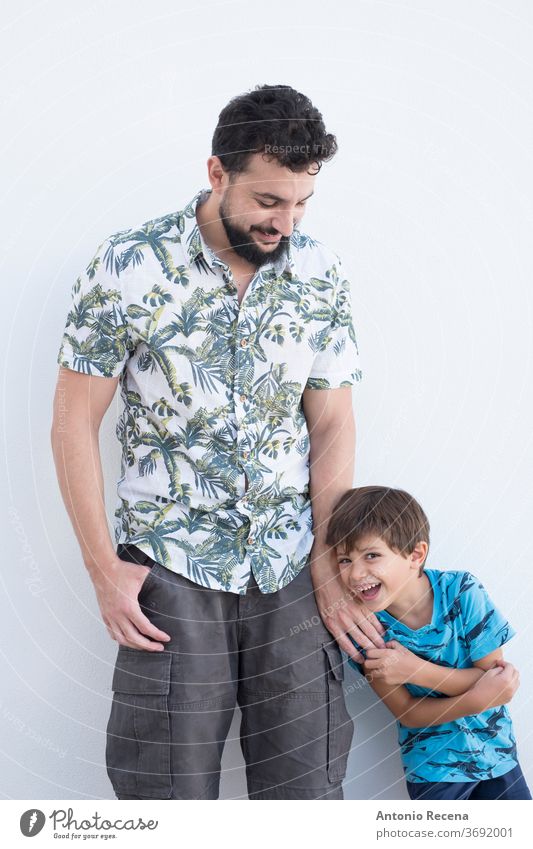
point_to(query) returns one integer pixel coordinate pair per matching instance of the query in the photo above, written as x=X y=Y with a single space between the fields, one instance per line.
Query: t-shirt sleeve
x=337 y=361
x=485 y=629
x=96 y=339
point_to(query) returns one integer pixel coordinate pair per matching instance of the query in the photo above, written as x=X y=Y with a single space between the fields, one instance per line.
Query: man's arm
x=496 y=687
x=80 y=403
x=331 y=427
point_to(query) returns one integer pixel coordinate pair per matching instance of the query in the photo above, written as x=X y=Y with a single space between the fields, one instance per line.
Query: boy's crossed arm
x=489 y=683
x=395 y=664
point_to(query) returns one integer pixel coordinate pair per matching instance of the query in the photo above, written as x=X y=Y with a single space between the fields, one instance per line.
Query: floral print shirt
x=215 y=448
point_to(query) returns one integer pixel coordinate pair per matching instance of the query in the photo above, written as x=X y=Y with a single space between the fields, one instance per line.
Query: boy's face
x=376 y=574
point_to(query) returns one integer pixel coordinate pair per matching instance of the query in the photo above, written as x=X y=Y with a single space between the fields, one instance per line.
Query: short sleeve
x=485 y=629
x=337 y=362
x=96 y=338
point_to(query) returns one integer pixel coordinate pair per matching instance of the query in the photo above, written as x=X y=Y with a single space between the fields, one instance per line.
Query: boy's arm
x=496 y=687
x=397 y=665
x=453 y=681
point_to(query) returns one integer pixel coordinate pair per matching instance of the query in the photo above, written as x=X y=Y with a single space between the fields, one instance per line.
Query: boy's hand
x=393 y=665
x=496 y=687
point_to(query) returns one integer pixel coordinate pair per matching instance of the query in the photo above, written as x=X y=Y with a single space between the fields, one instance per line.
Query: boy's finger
x=372 y=664
x=374 y=652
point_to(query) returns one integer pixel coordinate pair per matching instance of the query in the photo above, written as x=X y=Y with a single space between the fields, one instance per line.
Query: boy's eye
x=344 y=561
x=372 y=554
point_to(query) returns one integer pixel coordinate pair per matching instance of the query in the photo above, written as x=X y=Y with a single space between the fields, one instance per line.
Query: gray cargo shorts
x=270 y=654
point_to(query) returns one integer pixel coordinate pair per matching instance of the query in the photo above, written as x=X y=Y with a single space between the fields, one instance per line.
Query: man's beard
x=242 y=242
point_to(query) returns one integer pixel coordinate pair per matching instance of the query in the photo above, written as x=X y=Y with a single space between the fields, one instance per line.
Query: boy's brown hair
x=391 y=514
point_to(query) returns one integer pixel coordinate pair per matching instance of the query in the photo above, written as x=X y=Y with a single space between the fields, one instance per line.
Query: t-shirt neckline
x=432 y=578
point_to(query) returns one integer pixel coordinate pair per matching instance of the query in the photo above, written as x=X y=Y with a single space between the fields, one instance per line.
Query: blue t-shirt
x=465 y=627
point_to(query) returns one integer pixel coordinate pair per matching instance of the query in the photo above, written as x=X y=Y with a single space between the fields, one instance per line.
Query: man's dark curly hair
x=275 y=120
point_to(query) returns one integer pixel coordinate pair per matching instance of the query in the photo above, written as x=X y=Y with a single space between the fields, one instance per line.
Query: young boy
x=442 y=673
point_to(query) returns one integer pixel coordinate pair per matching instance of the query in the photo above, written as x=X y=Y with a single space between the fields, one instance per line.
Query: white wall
x=108 y=114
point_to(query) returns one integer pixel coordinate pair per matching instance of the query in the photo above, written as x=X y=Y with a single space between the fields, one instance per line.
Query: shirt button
x=250 y=540
x=244 y=343
x=243 y=398
x=245 y=455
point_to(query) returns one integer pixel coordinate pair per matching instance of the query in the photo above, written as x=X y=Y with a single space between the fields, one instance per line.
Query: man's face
x=260 y=208
x=372 y=564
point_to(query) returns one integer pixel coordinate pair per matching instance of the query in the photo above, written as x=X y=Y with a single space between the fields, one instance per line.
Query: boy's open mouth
x=370 y=592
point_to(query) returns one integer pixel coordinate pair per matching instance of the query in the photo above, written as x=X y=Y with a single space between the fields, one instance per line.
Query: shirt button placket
x=241 y=398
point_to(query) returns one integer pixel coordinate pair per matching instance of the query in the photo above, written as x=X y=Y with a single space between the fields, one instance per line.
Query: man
x=231 y=335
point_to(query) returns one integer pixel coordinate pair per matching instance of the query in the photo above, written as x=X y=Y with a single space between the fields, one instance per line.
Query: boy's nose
x=357 y=579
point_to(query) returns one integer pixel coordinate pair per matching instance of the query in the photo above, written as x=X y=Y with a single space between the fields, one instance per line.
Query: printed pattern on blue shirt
x=465 y=626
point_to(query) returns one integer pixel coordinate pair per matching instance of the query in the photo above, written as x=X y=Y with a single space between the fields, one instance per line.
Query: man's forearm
x=79 y=473
x=331 y=471
x=445 y=679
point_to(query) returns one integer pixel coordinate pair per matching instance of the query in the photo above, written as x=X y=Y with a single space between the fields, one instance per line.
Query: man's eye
x=266 y=205
x=344 y=561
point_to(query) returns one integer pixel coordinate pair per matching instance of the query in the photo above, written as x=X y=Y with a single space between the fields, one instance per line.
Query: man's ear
x=418 y=555
x=216 y=173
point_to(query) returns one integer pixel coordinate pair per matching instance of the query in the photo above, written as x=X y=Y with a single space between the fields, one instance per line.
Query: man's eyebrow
x=271 y=196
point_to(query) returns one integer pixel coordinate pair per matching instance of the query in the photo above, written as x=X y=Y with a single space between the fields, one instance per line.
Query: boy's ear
x=418 y=555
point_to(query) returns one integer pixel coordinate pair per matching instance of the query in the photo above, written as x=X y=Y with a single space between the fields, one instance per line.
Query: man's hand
x=394 y=664
x=341 y=613
x=117 y=593
x=496 y=687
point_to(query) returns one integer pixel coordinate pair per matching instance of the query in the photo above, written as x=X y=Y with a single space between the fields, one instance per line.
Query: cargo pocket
x=138 y=730
x=340 y=724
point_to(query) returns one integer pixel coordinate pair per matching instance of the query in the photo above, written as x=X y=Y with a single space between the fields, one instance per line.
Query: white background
x=109 y=109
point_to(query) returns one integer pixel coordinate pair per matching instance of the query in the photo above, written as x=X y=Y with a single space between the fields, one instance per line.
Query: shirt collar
x=195 y=245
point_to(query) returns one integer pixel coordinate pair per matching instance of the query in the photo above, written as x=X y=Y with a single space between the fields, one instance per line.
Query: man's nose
x=283 y=222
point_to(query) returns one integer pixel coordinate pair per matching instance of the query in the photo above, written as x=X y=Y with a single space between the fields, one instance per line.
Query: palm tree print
x=214 y=476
